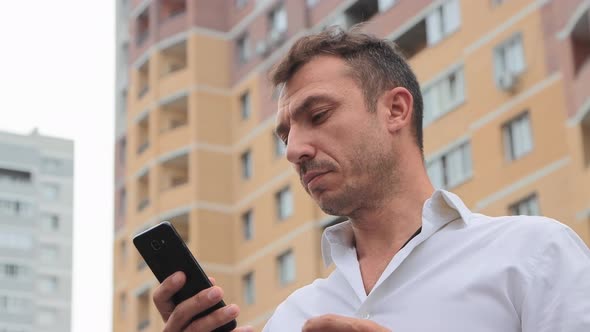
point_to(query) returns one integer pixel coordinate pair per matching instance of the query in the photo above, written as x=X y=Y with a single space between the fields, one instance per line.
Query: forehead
x=323 y=75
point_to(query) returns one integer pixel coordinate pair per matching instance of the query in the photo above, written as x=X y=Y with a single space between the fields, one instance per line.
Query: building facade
x=507 y=127
x=36 y=183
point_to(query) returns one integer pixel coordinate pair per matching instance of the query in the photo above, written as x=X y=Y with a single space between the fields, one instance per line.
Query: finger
x=163 y=294
x=216 y=319
x=213 y=282
x=244 y=329
x=185 y=311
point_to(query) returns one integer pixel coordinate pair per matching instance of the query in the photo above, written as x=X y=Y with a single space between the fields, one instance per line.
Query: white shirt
x=465 y=272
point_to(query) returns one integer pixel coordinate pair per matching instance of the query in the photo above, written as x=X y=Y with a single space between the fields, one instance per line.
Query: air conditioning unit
x=507 y=81
x=262 y=48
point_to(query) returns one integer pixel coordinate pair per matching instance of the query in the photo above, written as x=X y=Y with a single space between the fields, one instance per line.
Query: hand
x=177 y=317
x=335 y=323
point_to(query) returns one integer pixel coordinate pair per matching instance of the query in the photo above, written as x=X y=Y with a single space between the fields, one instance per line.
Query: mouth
x=309 y=177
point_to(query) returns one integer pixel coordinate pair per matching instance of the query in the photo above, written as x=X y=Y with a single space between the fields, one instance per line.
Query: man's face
x=340 y=150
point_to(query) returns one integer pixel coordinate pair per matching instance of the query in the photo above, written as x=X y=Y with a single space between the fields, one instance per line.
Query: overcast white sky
x=57 y=74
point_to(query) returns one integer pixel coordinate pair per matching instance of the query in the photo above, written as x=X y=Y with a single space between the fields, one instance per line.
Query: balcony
x=586 y=139
x=175 y=189
x=360 y=11
x=143 y=192
x=174 y=172
x=15 y=181
x=580 y=39
x=181 y=224
x=171 y=8
x=173 y=58
x=143 y=135
x=143 y=79
x=142 y=28
x=143 y=310
x=413 y=41
x=437 y=25
x=172 y=18
x=174 y=114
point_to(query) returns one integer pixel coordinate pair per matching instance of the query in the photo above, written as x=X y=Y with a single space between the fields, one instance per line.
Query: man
x=410 y=258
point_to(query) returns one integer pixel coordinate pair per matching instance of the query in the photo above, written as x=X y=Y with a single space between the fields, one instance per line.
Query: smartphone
x=165 y=252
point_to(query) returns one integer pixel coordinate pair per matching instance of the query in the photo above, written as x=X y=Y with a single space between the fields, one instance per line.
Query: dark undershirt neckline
x=411 y=237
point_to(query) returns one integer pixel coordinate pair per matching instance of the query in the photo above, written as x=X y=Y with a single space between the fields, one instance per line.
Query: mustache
x=314 y=165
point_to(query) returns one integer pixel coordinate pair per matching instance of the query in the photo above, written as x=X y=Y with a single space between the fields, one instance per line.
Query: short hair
x=376 y=65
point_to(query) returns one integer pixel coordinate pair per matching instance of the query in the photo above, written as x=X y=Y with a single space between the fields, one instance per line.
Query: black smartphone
x=165 y=252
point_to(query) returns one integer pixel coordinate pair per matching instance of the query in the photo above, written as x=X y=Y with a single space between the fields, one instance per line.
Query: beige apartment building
x=507 y=127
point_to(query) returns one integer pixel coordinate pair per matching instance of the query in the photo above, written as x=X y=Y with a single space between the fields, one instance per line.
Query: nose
x=300 y=146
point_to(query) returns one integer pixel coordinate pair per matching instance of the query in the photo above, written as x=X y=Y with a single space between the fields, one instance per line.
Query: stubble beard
x=374 y=170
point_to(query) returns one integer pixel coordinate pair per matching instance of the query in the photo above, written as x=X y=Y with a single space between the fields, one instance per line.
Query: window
x=143 y=310
x=122 y=202
x=50 y=191
x=277 y=19
x=245 y=105
x=284 y=203
x=18 y=241
x=124 y=252
x=246 y=162
x=47 y=317
x=48 y=253
x=243 y=49
x=280 y=147
x=248 y=225
x=286 y=265
x=438 y=24
x=14 y=176
x=452 y=168
x=123 y=304
x=15 y=208
x=518 y=138
x=443 y=96
x=143 y=191
x=50 y=222
x=13 y=271
x=49 y=164
x=13 y=305
x=123 y=150
x=142 y=27
x=248 y=286
x=48 y=284
x=509 y=61
x=443 y=21
x=528 y=206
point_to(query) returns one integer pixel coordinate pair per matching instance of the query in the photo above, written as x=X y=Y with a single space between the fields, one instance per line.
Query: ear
x=396 y=106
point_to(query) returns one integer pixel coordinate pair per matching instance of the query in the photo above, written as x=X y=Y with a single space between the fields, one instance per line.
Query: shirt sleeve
x=557 y=294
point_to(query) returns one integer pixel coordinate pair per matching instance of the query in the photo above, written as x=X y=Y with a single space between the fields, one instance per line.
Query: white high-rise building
x=36 y=213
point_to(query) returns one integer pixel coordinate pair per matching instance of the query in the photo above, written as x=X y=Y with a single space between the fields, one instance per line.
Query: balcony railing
x=144 y=146
x=143 y=91
x=143 y=204
x=143 y=324
x=141 y=37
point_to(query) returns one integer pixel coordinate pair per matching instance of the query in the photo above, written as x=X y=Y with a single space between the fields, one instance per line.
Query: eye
x=318 y=117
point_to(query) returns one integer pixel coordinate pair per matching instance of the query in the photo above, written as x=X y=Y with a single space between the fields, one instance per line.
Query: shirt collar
x=438 y=210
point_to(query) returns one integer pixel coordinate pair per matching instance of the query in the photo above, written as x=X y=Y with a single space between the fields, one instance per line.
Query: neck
x=381 y=229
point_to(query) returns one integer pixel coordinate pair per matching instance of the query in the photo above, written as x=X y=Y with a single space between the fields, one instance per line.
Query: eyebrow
x=308 y=103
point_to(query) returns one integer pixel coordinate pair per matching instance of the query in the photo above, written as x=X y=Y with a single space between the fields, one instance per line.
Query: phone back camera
x=157 y=244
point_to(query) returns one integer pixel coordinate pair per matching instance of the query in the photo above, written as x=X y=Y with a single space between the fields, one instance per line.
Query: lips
x=309 y=176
